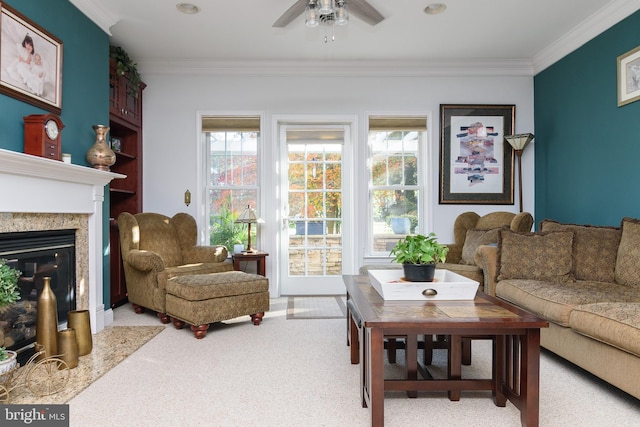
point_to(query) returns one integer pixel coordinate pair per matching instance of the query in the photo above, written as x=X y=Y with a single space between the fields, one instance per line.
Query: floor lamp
x=519 y=142
x=248 y=217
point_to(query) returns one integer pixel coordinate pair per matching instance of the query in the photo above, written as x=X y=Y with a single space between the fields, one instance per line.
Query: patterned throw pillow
x=627 y=271
x=475 y=238
x=596 y=249
x=536 y=256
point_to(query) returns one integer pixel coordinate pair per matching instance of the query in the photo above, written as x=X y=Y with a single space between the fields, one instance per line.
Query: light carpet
x=317 y=307
x=285 y=373
x=110 y=346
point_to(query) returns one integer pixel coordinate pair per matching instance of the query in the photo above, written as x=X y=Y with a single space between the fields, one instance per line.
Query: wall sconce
x=519 y=142
x=187 y=197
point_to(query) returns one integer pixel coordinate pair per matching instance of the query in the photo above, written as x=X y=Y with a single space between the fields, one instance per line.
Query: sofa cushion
x=627 y=271
x=476 y=237
x=596 y=249
x=555 y=301
x=613 y=323
x=535 y=256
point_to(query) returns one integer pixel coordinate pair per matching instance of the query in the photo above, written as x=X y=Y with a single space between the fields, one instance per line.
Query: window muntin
x=232 y=184
x=395 y=183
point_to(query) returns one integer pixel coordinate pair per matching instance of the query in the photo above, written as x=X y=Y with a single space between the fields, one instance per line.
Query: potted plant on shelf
x=126 y=66
x=418 y=255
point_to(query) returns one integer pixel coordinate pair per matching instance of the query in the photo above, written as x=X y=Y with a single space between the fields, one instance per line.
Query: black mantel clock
x=42 y=135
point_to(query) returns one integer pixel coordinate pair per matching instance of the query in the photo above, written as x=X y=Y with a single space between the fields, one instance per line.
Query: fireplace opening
x=37 y=254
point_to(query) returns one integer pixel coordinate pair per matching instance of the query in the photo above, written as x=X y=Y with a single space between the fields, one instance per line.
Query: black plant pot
x=419 y=272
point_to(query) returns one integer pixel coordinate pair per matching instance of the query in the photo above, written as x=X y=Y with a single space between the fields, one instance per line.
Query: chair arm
x=455 y=253
x=208 y=254
x=486 y=257
x=144 y=260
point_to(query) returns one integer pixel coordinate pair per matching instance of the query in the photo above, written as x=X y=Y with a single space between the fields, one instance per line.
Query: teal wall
x=587 y=149
x=85 y=88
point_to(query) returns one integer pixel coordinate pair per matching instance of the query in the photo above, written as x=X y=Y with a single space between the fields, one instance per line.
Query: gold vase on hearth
x=100 y=155
x=47 y=320
x=68 y=347
x=80 y=322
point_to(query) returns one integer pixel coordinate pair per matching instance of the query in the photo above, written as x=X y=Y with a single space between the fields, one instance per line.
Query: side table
x=259 y=257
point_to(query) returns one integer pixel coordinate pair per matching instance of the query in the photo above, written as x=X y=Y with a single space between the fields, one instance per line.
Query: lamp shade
x=519 y=141
x=247 y=216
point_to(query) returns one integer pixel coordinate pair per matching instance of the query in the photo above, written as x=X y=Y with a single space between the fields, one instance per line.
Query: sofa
x=471 y=231
x=585 y=281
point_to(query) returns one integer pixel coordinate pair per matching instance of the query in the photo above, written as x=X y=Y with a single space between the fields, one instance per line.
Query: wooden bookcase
x=125 y=121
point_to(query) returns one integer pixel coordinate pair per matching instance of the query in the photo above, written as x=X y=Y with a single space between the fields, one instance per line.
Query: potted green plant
x=418 y=255
x=9 y=293
x=8 y=359
x=126 y=66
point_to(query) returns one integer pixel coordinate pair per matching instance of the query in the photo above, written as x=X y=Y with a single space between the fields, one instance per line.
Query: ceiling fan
x=359 y=8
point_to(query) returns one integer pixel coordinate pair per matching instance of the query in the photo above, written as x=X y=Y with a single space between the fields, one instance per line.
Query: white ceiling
x=533 y=33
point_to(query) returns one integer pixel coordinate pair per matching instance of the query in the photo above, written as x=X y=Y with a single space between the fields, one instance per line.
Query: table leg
x=530 y=378
x=261 y=266
x=375 y=351
x=454 y=365
x=499 y=370
x=411 y=360
x=354 y=341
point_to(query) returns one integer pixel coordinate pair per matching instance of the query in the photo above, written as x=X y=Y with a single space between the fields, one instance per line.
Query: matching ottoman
x=201 y=299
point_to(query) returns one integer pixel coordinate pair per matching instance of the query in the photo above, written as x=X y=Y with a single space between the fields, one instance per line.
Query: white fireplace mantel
x=32 y=184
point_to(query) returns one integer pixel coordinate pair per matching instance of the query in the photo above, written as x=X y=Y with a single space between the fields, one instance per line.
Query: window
x=232 y=176
x=396 y=189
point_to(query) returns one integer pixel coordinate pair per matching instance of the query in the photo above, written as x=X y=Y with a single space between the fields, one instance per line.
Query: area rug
x=110 y=346
x=316 y=307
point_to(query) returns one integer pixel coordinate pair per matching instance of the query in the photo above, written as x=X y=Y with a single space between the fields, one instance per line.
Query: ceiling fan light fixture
x=435 y=8
x=188 y=8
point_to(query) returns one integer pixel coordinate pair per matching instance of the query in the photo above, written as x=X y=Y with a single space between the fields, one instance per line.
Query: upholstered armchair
x=156 y=248
x=471 y=230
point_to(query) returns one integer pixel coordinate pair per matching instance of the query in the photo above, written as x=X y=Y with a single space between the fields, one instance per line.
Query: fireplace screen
x=37 y=254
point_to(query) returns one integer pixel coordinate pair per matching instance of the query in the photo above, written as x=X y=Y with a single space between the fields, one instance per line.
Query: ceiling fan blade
x=364 y=11
x=292 y=13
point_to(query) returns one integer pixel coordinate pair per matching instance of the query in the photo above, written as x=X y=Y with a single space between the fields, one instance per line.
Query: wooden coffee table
x=516 y=346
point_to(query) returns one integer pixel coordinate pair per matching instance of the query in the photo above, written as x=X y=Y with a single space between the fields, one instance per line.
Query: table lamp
x=248 y=217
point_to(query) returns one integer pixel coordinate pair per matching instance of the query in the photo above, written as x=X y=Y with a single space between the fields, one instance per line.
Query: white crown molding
x=605 y=18
x=339 y=68
x=102 y=17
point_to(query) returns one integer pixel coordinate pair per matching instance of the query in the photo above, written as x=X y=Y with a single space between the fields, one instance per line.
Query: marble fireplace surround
x=45 y=194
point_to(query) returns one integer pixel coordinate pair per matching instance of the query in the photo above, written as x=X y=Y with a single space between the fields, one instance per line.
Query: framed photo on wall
x=30 y=61
x=476 y=163
x=629 y=77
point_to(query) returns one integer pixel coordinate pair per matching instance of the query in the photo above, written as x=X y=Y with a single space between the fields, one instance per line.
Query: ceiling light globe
x=326 y=7
x=311 y=17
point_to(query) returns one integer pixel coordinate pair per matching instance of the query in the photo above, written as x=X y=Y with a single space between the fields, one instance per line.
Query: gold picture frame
x=629 y=77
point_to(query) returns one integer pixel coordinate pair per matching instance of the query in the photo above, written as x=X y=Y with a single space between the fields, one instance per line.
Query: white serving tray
x=446 y=284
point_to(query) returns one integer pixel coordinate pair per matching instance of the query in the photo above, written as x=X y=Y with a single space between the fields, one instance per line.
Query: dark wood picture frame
x=629 y=77
x=476 y=162
x=30 y=61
